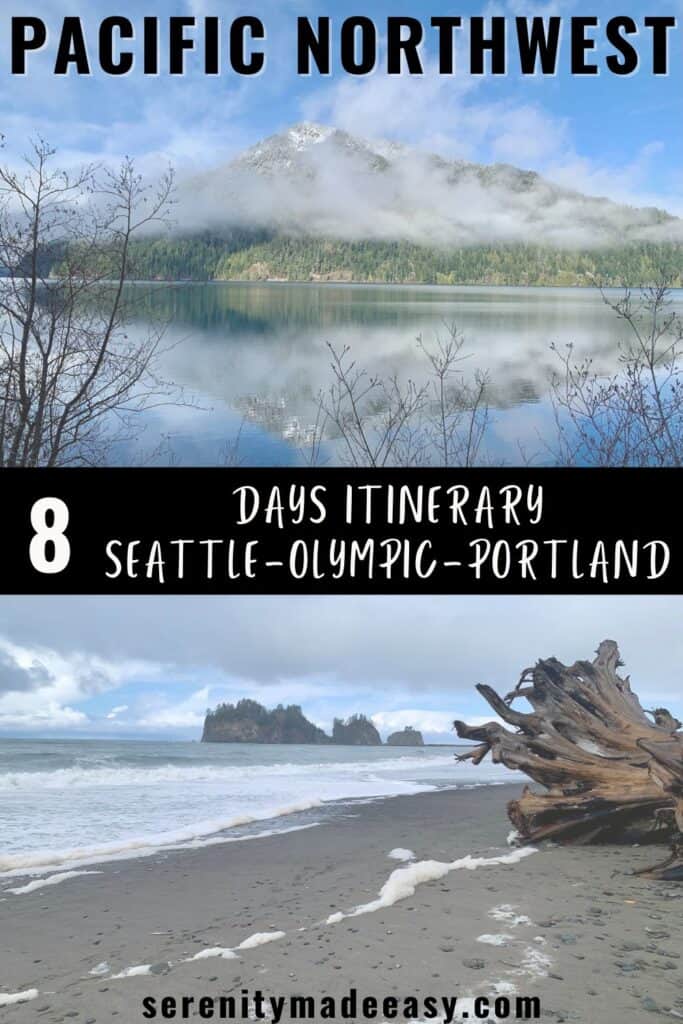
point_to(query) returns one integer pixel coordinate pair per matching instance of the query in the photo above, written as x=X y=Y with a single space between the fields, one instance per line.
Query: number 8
x=45 y=533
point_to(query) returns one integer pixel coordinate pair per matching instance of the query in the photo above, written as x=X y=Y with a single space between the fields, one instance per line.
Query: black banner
x=337 y=531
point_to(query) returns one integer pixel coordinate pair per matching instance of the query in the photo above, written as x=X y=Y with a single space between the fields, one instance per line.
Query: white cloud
x=197 y=121
x=117 y=710
x=432 y=723
x=185 y=714
x=457 y=117
x=349 y=188
x=528 y=136
x=64 y=679
x=47 y=715
x=412 y=661
x=456 y=125
x=192 y=120
x=427 y=111
x=626 y=184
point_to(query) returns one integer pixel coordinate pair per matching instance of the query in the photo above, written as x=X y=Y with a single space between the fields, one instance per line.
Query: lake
x=252 y=358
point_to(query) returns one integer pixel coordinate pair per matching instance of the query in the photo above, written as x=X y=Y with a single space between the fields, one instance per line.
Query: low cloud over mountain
x=317 y=180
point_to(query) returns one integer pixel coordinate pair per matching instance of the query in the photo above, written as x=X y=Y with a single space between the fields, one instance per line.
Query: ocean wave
x=97 y=806
x=96 y=775
x=42 y=861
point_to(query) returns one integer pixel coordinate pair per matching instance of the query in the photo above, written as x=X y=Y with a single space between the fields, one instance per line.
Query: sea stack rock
x=356 y=731
x=249 y=722
x=407 y=737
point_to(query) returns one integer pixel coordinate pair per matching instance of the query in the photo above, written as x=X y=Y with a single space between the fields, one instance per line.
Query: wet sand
x=569 y=925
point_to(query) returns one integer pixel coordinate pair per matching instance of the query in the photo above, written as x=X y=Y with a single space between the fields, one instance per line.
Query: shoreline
x=49 y=864
x=570 y=925
x=183 y=282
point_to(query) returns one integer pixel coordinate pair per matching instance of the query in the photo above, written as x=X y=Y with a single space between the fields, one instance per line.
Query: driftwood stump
x=611 y=771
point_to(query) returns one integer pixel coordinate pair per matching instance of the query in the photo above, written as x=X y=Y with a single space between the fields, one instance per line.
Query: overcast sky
x=602 y=135
x=151 y=666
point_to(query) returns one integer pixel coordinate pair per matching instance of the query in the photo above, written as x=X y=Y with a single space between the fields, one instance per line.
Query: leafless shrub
x=634 y=416
x=231 y=454
x=313 y=452
x=71 y=376
x=457 y=414
x=382 y=421
x=372 y=416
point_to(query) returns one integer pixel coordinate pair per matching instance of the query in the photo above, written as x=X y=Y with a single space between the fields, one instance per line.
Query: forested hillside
x=259 y=257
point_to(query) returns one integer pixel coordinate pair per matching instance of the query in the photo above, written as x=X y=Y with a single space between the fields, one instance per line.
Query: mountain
x=319 y=181
x=406 y=737
x=317 y=204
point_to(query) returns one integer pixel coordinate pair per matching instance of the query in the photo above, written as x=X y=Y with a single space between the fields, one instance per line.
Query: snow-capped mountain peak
x=320 y=180
x=308 y=133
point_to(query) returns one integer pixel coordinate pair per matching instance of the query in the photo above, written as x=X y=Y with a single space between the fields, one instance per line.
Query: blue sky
x=149 y=667
x=603 y=135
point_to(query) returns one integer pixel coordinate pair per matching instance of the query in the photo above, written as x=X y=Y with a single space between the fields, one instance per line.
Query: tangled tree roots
x=611 y=771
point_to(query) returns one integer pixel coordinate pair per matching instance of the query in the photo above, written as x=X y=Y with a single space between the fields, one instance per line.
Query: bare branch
x=74 y=368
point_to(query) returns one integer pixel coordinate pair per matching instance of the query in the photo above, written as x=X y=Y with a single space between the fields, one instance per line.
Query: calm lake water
x=253 y=358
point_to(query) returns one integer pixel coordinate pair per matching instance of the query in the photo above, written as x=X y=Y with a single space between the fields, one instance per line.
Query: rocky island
x=407 y=737
x=247 y=721
x=356 y=731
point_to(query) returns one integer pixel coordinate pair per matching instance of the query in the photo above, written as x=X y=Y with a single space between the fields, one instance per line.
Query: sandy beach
x=569 y=925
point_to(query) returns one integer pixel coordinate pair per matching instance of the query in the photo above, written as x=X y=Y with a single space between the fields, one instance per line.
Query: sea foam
x=229 y=953
x=40 y=883
x=213 y=951
x=402 y=882
x=494 y=940
x=534 y=964
x=8 y=998
x=133 y=972
x=100 y=969
x=259 y=938
x=508 y=913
